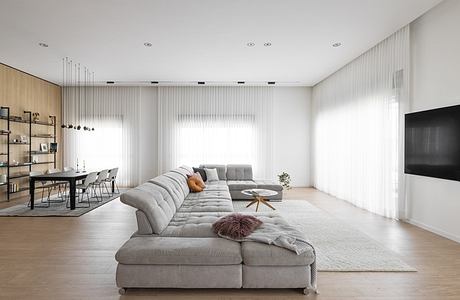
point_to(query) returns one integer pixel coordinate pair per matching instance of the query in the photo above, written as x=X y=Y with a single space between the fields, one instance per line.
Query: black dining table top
x=62 y=175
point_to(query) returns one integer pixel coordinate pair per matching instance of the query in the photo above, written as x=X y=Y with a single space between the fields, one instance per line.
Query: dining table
x=70 y=176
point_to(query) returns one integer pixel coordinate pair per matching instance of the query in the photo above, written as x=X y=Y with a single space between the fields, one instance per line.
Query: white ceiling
x=201 y=40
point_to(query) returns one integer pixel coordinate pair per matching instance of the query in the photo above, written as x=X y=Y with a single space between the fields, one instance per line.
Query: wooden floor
x=73 y=258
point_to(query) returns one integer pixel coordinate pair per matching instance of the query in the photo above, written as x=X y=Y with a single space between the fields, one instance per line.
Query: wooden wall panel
x=21 y=91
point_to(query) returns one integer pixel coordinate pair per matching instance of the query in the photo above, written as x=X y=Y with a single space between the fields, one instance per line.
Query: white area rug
x=339 y=247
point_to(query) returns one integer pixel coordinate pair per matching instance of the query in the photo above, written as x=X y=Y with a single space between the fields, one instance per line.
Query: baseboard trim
x=434 y=230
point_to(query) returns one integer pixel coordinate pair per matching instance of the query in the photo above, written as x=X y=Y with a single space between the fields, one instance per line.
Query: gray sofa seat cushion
x=239 y=172
x=269 y=185
x=179 y=251
x=206 y=205
x=239 y=185
x=214 y=184
x=221 y=170
x=211 y=194
x=157 y=205
x=216 y=187
x=192 y=224
x=258 y=254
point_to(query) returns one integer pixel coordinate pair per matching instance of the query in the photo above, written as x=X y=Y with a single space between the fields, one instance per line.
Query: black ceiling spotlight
x=78 y=127
x=70 y=126
x=201 y=82
x=154 y=82
x=241 y=82
x=271 y=82
x=92 y=129
x=63 y=126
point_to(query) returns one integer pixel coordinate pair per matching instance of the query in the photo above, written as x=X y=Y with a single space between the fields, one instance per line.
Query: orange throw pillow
x=194 y=184
x=200 y=179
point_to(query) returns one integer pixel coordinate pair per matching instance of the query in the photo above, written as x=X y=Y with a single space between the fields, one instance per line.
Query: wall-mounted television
x=432 y=143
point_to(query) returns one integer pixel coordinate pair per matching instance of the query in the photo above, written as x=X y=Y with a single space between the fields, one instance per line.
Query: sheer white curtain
x=221 y=125
x=357 y=126
x=114 y=114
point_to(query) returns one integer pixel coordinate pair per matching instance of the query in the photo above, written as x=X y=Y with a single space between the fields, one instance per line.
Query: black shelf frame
x=9 y=118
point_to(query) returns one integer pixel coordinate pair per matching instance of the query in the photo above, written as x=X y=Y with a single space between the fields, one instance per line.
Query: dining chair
x=84 y=189
x=100 y=181
x=68 y=169
x=42 y=185
x=112 y=177
x=60 y=185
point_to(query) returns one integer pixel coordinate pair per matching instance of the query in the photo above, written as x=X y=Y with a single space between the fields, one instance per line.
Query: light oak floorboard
x=73 y=258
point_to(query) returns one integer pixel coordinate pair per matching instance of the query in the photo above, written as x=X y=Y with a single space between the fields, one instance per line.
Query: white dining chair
x=43 y=186
x=85 y=189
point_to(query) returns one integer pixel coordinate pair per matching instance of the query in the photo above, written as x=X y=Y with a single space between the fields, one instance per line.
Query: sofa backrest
x=221 y=170
x=154 y=201
x=239 y=172
x=170 y=182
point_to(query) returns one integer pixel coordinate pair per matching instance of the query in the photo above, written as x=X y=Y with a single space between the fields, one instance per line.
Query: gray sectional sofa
x=239 y=177
x=175 y=246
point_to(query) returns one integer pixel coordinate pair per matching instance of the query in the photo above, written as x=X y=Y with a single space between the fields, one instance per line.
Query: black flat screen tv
x=432 y=143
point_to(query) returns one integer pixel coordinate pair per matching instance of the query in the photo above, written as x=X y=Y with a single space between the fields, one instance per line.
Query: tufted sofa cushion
x=221 y=170
x=173 y=186
x=239 y=172
x=149 y=198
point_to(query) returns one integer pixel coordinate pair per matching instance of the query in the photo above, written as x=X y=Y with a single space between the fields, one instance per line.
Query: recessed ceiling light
x=251 y=44
x=335 y=45
x=241 y=82
x=271 y=82
x=147 y=44
x=43 y=45
x=267 y=44
x=201 y=82
x=110 y=82
x=154 y=82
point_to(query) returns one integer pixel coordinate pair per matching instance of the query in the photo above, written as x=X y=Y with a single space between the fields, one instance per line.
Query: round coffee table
x=259 y=195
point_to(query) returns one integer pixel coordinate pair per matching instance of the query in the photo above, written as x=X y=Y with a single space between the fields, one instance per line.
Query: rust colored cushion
x=236 y=226
x=194 y=184
x=200 y=179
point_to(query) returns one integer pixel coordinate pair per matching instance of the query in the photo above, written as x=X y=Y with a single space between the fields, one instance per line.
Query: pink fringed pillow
x=236 y=226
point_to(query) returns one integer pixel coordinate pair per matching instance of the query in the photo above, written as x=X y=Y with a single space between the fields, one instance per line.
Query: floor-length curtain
x=357 y=125
x=114 y=113
x=221 y=125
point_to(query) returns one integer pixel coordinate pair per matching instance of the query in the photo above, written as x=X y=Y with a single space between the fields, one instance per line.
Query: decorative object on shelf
x=23 y=139
x=15 y=163
x=53 y=147
x=36 y=117
x=52 y=120
x=34 y=159
x=3 y=178
x=3 y=163
x=4 y=112
x=78 y=84
x=3 y=131
x=44 y=147
x=285 y=180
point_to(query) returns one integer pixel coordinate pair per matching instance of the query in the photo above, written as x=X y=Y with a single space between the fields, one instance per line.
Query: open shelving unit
x=9 y=167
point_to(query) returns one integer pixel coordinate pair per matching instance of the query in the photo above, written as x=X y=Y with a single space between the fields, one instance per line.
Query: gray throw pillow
x=212 y=175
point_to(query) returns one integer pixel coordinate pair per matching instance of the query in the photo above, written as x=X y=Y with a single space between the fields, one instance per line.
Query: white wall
x=434 y=204
x=292 y=133
x=291 y=141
